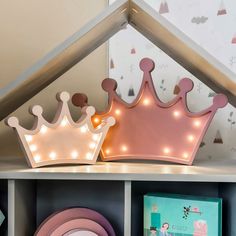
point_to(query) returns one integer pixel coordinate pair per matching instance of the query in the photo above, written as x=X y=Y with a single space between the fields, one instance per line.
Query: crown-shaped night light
x=150 y=129
x=63 y=141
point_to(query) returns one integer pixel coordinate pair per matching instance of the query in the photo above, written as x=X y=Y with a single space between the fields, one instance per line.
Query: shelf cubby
x=103 y=196
x=227 y=191
x=32 y=201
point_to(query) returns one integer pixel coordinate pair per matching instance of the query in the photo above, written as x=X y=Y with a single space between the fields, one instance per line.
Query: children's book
x=181 y=215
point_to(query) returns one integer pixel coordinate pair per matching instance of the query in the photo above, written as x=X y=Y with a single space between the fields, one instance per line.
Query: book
x=182 y=215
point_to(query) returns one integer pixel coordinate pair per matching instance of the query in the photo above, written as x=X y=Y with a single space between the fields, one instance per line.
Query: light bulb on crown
x=117 y=112
x=72 y=142
x=146 y=102
x=53 y=155
x=28 y=138
x=176 y=114
x=190 y=138
x=151 y=129
x=107 y=151
x=166 y=150
x=64 y=122
x=33 y=147
x=96 y=120
x=124 y=148
x=43 y=129
x=74 y=154
x=197 y=123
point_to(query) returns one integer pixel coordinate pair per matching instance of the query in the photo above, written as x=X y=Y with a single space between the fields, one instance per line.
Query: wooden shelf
x=202 y=171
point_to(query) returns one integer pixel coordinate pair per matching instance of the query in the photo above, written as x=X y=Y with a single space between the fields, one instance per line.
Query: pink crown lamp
x=149 y=129
x=63 y=141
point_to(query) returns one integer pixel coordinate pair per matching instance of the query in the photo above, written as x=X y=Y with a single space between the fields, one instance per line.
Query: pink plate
x=82 y=224
x=55 y=220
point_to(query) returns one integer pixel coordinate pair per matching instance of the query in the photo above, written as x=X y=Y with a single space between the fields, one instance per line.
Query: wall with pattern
x=211 y=24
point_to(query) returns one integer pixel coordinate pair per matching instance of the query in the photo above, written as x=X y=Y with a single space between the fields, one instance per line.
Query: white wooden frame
x=143 y=18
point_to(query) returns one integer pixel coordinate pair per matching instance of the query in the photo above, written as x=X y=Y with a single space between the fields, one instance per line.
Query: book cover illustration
x=178 y=215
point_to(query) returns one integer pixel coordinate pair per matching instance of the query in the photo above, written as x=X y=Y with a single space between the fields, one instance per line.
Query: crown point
x=90 y=111
x=109 y=85
x=186 y=85
x=111 y=120
x=147 y=65
x=79 y=100
x=63 y=96
x=36 y=110
x=220 y=100
x=12 y=121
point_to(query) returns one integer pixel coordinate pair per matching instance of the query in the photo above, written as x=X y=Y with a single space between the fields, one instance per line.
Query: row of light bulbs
x=53 y=156
x=166 y=151
x=74 y=155
x=43 y=130
x=176 y=114
x=33 y=147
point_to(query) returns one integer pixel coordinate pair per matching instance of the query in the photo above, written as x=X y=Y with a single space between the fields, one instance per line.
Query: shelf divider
x=21 y=207
x=127 y=210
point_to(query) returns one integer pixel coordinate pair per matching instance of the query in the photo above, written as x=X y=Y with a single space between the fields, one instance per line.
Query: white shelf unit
x=114 y=189
x=201 y=171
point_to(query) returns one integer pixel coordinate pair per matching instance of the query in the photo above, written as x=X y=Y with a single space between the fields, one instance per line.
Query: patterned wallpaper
x=211 y=24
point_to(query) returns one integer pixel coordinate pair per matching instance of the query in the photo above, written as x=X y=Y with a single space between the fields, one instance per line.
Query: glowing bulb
x=197 y=123
x=43 y=129
x=190 y=138
x=92 y=145
x=64 y=122
x=33 y=148
x=107 y=151
x=176 y=114
x=96 y=120
x=37 y=158
x=185 y=155
x=166 y=150
x=83 y=129
x=117 y=112
x=74 y=154
x=146 y=102
x=124 y=148
x=28 y=138
x=52 y=155
x=95 y=137
x=89 y=156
